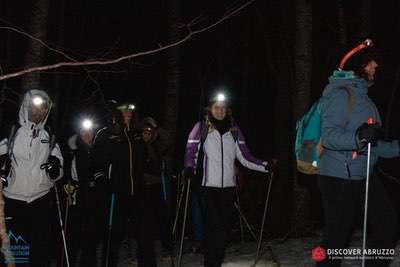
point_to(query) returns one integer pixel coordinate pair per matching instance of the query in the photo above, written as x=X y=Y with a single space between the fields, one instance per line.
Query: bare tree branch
x=94 y=62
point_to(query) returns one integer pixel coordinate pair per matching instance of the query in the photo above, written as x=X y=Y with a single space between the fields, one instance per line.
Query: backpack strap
x=235 y=132
x=203 y=132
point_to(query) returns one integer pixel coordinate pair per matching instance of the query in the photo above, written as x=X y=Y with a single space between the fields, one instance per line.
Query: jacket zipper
x=130 y=160
x=222 y=162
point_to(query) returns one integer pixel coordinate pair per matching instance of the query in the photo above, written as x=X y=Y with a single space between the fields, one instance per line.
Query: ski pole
x=110 y=221
x=240 y=217
x=178 y=209
x=184 y=224
x=163 y=182
x=66 y=219
x=61 y=224
x=52 y=145
x=370 y=121
x=263 y=219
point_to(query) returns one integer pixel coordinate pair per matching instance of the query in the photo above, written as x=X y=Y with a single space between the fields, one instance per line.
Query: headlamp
x=38 y=101
x=126 y=107
x=220 y=97
x=87 y=124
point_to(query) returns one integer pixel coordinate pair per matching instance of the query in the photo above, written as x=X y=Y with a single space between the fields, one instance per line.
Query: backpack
x=308 y=144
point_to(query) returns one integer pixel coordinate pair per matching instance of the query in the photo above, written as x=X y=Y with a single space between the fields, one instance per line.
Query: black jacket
x=118 y=159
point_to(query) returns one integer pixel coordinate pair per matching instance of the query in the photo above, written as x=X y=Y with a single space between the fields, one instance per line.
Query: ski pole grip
x=370 y=120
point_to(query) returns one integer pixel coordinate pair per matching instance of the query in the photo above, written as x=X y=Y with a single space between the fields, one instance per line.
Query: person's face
x=218 y=110
x=147 y=135
x=127 y=116
x=370 y=70
x=86 y=137
x=37 y=114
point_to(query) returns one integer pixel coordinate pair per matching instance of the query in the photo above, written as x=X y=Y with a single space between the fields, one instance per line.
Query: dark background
x=251 y=56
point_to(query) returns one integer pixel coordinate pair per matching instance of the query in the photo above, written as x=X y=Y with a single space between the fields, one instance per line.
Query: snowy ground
x=287 y=253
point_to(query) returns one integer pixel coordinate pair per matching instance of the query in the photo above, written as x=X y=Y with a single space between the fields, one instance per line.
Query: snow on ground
x=288 y=253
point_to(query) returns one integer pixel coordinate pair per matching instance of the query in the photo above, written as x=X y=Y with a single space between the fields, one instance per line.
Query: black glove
x=4 y=180
x=52 y=167
x=4 y=172
x=368 y=133
x=188 y=172
x=97 y=176
x=270 y=165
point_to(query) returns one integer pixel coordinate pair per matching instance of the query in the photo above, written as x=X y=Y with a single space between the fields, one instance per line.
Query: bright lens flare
x=87 y=124
x=131 y=107
x=37 y=101
x=220 y=97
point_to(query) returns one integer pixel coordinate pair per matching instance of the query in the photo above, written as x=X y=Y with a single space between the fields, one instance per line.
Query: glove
x=4 y=181
x=188 y=172
x=4 y=172
x=52 y=167
x=97 y=176
x=368 y=133
x=270 y=165
x=70 y=188
x=267 y=167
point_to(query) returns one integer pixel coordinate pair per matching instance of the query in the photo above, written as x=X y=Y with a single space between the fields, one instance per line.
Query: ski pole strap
x=111 y=209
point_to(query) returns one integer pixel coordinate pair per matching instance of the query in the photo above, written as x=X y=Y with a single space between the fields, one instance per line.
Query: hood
x=338 y=80
x=26 y=105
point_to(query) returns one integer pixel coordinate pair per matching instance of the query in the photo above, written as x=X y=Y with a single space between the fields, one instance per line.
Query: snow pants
x=217 y=206
x=341 y=199
x=29 y=224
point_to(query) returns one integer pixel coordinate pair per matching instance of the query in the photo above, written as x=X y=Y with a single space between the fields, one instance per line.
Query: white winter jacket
x=30 y=149
x=220 y=153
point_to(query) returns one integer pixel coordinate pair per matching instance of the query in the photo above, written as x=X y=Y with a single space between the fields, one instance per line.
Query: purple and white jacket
x=220 y=153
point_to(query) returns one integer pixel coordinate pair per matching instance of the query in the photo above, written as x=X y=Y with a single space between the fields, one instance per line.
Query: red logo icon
x=318 y=254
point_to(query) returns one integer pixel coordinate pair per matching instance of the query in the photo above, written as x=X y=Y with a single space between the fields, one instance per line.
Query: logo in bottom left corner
x=19 y=249
x=318 y=254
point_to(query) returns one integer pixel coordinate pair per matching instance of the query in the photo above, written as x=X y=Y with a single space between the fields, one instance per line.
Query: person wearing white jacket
x=211 y=151
x=30 y=167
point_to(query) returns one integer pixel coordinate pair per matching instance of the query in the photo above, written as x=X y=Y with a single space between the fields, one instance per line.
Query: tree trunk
x=59 y=117
x=301 y=99
x=174 y=79
x=35 y=51
x=276 y=40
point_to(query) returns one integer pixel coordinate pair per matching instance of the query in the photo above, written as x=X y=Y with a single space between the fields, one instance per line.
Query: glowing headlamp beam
x=87 y=124
x=37 y=101
x=221 y=97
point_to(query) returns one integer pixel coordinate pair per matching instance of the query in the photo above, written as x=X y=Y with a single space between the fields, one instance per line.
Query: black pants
x=217 y=205
x=30 y=221
x=122 y=215
x=341 y=199
x=130 y=212
x=87 y=225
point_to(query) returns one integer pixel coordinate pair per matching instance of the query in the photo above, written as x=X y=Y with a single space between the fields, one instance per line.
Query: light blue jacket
x=338 y=129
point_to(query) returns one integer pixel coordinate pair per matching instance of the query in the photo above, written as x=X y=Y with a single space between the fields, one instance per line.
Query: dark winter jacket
x=119 y=158
x=338 y=130
x=79 y=165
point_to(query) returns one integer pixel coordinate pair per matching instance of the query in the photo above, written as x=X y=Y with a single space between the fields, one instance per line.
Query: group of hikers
x=115 y=176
